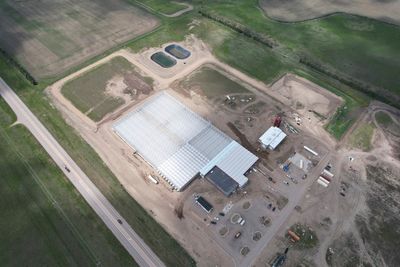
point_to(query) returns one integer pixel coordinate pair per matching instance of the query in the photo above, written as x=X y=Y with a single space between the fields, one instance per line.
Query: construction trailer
x=204 y=204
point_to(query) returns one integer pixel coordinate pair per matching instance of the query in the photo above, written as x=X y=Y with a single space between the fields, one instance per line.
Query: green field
x=383 y=119
x=387 y=123
x=362 y=48
x=50 y=37
x=44 y=221
x=212 y=83
x=163 y=6
x=88 y=92
x=361 y=137
x=148 y=229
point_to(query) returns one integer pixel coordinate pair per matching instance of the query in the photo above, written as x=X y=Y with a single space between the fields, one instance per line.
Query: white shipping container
x=328 y=173
x=324 y=180
x=322 y=183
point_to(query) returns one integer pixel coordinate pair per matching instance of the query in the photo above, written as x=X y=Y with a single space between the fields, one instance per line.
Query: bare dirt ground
x=299 y=10
x=355 y=229
x=49 y=37
x=192 y=231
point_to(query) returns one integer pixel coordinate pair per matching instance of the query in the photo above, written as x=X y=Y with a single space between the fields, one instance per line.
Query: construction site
x=222 y=161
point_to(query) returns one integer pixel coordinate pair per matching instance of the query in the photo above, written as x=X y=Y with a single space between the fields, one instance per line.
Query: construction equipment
x=293 y=236
x=277 y=121
x=286 y=167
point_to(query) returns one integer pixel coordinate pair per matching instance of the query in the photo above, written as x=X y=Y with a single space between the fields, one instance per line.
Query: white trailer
x=328 y=173
x=324 y=180
x=322 y=183
x=151 y=178
x=310 y=150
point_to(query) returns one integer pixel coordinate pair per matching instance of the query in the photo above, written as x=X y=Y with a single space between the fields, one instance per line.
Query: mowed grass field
x=211 y=83
x=361 y=137
x=88 y=92
x=49 y=37
x=44 y=221
x=300 y=10
x=148 y=229
x=359 y=47
x=163 y=6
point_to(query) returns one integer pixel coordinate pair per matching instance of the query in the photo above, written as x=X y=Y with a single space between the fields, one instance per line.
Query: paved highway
x=136 y=247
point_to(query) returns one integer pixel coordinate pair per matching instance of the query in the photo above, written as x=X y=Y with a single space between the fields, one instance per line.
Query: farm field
x=149 y=230
x=341 y=42
x=162 y=6
x=49 y=37
x=42 y=214
x=298 y=10
x=102 y=90
x=211 y=83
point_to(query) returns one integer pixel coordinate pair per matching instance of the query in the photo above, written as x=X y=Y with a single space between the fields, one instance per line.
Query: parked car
x=67 y=169
x=238 y=234
x=213 y=222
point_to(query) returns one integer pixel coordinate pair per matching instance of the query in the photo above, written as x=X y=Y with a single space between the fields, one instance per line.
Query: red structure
x=277 y=121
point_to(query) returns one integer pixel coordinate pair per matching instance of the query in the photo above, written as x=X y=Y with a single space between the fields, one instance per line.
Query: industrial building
x=180 y=144
x=272 y=138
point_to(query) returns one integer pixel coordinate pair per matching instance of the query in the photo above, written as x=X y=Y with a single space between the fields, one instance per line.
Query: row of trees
x=259 y=37
x=10 y=60
x=372 y=91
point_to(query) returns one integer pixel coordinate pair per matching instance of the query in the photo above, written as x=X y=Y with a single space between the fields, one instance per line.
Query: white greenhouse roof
x=272 y=137
x=178 y=143
x=234 y=160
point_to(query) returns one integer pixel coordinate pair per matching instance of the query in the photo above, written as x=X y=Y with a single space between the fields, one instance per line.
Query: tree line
x=240 y=28
x=372 y=91
x=11 y=61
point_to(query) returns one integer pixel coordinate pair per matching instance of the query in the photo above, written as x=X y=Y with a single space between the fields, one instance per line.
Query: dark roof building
x=204 y=204
x=226 y=184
